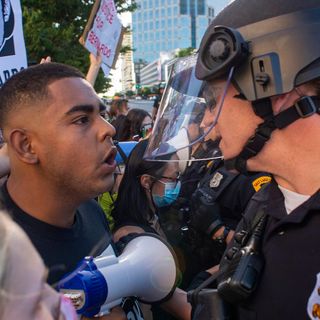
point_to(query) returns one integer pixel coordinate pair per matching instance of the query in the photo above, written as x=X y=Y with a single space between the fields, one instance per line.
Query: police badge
x=216 y=180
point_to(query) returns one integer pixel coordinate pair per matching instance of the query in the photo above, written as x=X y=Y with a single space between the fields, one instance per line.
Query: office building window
x=201 y=7
x=183 y=7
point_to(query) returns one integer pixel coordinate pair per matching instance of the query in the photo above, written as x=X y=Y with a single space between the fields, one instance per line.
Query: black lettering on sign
x=6 y=74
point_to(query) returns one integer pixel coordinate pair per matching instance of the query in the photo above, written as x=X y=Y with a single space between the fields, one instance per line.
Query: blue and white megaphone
x=124 y=149
x=146 y=269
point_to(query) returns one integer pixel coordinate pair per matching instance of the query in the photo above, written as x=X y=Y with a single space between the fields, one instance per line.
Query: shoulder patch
x=257 y=183
x=313 y=307
x=216 y=180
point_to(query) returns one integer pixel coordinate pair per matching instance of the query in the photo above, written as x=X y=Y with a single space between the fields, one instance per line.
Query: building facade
x=166 y=25
x=157 y=71
x=127 y=70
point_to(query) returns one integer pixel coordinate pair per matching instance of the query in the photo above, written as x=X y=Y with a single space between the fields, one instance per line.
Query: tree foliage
x=185 y=52
x=53 y=27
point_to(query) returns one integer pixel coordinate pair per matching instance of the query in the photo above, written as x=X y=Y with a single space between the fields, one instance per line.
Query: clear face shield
x=189 y=110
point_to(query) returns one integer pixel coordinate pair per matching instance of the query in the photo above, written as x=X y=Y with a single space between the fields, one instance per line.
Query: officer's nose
x=207 y=119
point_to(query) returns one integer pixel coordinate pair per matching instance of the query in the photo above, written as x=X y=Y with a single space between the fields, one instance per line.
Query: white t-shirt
x=292 y=199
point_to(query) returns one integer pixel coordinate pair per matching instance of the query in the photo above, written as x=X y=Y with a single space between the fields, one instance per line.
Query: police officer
x=213 y=209
x=269 y=121
x=260 y=63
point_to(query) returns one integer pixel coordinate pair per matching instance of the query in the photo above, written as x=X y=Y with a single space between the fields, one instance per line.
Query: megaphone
x=146 y=269
x=124 y=149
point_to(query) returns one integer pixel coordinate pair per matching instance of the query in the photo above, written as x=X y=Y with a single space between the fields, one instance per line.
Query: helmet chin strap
x=303 y=108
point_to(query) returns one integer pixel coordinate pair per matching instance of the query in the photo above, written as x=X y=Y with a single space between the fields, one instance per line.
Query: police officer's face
x=236 y=123
x=207 y=121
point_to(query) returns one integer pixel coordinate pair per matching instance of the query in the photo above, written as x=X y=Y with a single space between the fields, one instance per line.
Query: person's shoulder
x=258 y=180
x=90 y=209
x=4 y=195
x=6 y=203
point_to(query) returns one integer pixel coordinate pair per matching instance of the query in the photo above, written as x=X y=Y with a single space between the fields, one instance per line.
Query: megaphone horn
x=146 y=269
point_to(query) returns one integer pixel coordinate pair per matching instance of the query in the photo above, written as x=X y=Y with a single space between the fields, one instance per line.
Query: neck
x=41 y=201
x=292 y=155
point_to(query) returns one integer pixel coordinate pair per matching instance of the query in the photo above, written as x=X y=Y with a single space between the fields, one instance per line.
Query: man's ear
x=21 y=145
x=146 y=181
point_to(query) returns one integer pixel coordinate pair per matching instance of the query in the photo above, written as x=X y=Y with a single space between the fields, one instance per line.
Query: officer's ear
x=146 y=181
x=21 y=144
x=284 y=101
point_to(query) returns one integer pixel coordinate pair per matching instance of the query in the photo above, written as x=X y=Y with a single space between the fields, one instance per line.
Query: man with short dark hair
x=62 y=155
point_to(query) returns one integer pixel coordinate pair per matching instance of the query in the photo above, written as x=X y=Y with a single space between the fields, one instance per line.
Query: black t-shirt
x=63 y=248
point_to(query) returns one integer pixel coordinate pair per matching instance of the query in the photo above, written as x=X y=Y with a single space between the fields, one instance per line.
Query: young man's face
x=73 y=140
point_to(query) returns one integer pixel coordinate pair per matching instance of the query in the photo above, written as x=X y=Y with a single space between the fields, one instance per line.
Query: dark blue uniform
x=232 y=192
x=290 y=248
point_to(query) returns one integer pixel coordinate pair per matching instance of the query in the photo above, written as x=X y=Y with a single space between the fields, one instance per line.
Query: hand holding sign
x=103 y=33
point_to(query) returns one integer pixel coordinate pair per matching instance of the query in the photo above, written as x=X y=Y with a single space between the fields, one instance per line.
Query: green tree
x=53 y=27
x=185 y=52
x=146 y=91
x=129 y=93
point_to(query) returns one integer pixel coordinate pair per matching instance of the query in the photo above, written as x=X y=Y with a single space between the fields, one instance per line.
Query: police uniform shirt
x=289 y=287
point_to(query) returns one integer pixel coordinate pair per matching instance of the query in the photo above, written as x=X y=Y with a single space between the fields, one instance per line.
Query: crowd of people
x=226 y=174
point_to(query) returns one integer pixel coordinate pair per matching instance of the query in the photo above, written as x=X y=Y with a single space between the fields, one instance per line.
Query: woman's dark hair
x=132 y=203
x=136 y=117
x=117 y=107
x=122 y=126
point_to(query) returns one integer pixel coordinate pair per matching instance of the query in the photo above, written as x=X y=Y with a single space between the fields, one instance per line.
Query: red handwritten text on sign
x=108 y=9
x=102 y=48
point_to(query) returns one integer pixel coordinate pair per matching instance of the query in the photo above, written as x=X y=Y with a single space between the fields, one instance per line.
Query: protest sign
x=103 y=33
x=12 y=48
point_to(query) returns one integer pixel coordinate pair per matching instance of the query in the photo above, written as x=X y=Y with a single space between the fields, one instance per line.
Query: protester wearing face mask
x=147 y=186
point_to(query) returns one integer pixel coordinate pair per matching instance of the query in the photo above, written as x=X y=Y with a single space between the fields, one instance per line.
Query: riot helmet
x=265 y=48
x=178 y=125
x=272 y=45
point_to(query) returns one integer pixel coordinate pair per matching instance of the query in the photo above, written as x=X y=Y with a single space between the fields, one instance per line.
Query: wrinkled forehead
x=213 y=89
x=71 y=89
x=66 y=94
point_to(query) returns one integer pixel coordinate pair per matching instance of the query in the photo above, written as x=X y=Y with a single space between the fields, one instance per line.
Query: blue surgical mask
x=171 y=193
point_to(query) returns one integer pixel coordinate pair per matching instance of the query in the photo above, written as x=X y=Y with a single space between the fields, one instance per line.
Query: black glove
x=205 y=212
